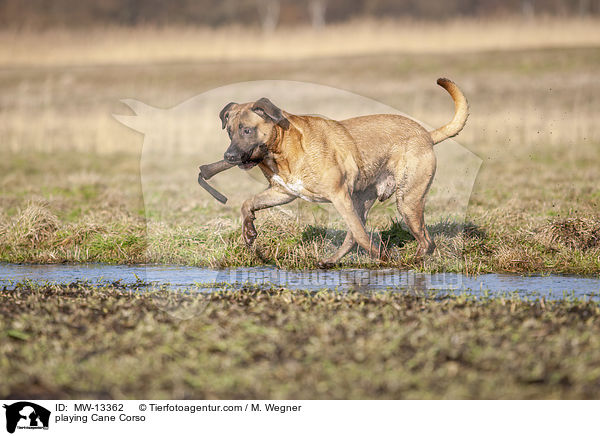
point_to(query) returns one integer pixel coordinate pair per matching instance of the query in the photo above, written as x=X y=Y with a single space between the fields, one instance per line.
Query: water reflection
x=177 y=277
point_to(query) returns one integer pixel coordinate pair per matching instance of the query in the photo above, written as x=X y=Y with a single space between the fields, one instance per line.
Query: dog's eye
x=247 y=131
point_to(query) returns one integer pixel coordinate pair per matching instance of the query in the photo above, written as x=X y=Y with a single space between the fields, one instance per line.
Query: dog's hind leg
x=268 y=198
x=413 y=182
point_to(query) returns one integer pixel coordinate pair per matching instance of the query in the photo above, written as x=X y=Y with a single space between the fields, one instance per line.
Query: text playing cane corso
x=350 y=163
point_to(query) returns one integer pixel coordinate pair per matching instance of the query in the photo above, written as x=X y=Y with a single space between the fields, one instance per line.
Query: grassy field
x=58 y=342
x=70 y=175
x=143 y=45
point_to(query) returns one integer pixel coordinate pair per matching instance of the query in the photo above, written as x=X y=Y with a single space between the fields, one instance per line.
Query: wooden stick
x=209 y=170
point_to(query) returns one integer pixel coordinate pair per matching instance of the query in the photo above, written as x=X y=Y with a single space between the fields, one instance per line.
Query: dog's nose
x=230 y=156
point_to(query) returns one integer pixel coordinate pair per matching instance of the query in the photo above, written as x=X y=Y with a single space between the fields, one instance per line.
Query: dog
x=349 y=163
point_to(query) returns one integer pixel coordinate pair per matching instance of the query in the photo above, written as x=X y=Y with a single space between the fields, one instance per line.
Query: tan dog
x=350 y=163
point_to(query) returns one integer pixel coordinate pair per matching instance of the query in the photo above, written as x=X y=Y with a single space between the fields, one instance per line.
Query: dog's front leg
x=268 y=198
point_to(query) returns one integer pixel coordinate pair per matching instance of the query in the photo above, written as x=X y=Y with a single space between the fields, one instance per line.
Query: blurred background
x=66 y=63
x=269 y=14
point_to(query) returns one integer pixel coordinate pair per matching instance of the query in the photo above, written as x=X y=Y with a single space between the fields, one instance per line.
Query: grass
x=46 y=224
x=252 y=343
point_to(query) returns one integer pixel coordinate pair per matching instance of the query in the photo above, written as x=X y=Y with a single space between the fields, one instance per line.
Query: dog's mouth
x=245 y=160
x=248 y=165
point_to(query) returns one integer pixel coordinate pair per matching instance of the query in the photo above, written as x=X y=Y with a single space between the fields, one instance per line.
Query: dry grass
x=539 y=104
x=572 y=233
x=32 y=226
x=126 y=46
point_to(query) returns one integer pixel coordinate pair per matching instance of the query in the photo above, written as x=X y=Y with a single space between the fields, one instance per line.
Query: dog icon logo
x=26 y=415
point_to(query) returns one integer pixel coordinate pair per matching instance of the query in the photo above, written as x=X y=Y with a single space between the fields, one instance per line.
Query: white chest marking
x=294 y=188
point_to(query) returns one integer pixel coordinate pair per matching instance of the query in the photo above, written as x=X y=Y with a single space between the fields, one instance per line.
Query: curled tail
x=461 y=113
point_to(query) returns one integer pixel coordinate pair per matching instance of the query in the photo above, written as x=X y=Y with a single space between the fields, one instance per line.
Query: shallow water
x=204 y=279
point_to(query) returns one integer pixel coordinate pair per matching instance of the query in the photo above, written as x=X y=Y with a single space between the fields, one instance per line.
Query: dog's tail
x=461 y=113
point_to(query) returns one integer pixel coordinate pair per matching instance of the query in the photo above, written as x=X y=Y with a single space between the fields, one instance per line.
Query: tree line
x=268 y=14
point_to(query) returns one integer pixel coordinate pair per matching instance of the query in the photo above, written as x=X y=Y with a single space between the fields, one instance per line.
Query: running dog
x=350 y=163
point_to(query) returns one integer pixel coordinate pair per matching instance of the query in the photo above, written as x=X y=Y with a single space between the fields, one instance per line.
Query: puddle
x=204 y=279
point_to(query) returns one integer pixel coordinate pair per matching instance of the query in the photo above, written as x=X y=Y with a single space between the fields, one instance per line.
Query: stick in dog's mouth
x=209 y=170
x=248 y=165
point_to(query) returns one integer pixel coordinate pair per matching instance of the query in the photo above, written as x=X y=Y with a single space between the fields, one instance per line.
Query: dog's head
x=251 y=128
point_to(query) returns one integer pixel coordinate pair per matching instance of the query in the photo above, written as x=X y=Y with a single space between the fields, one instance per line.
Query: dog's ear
x=224 y=114
x=267 y=110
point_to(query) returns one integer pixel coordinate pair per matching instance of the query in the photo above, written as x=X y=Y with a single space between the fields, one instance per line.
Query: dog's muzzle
x=244 y=161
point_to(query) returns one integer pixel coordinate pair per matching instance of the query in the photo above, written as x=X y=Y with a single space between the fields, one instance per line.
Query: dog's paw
x=426 y=251
x=323 y=264
x=249 y=232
